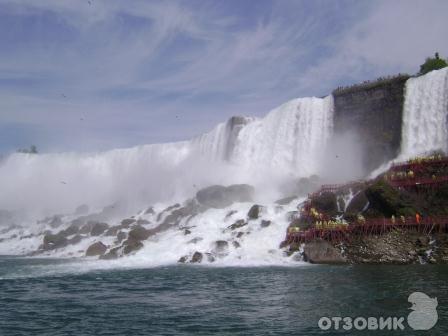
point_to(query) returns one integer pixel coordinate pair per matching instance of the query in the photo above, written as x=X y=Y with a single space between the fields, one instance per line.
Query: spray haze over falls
x=294 y=140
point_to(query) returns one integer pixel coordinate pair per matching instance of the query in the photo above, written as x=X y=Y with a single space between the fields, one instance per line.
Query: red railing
x=374 y=226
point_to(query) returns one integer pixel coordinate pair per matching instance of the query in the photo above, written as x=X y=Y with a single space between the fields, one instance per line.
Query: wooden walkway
x=375 y=226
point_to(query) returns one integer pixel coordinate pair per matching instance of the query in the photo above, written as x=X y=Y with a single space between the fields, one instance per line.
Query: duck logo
x=424 y=311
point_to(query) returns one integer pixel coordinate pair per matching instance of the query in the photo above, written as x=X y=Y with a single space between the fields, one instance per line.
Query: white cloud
x=128 y=70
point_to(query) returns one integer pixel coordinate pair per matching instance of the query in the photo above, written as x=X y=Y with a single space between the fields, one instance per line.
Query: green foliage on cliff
x=31 y=150
x=389 y=201
x=434 y=63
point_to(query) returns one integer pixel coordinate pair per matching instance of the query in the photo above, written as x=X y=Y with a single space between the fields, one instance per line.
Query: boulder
x=139 y=233
x=98 y=228
x=239 y=223
x=142 y=222
x=54 y=241
x=197 y=257
x=286 y=200
x=322 y=252
x=150 y=211
x=75 y=240
x=121 y=236
x=168 y=209
x=96 y=249
x=131 y=246
x=112 y=254
x=113 y=230
x=182 y=260
x=195 y=240
x=71 y=230
x=357 y=204
x=326 y=202
x=87 y=228
x=210 y=257
x=265 y=223
x=230 y=214
x=126 y=223
x=254 y=211
x=219 y=197
x=55 y=222
x=221 y=246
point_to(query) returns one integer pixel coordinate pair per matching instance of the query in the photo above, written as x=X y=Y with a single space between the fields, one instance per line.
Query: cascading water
x=425 y=113
x=291 y=138
x=288 y=141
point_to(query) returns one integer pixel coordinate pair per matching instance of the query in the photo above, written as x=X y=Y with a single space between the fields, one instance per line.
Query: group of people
x=400 y=175
x=421 y=159
x=330 y=224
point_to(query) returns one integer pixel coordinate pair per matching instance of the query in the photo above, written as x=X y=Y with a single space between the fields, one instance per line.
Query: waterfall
x=291 y=138
x=425 y=114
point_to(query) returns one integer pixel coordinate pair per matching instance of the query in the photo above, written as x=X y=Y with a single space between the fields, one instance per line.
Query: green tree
x=432 y=64
x=31 y=150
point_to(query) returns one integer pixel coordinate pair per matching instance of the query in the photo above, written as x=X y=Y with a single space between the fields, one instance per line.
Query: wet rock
x=357 y=204
x=168 y=209
x=265 y=223
x=55 y=222
x=238 y=224
x=98 y=228
x=150 y=211
x=121 y=236
x=86 y=228
x=71 y=230
x=96 y=249
x=240 y=192
x=210 y=257
x=230 y=214
x=54 y=241
x=187 y=232
x=75 y=240
x=197 y=257
x=139 y=233
x=286 y=200
x=221 y=246
x=236 y=244
x=113 y=230
x=254 y=211
x=126 y=223
x=239 y=234
x=131 y=246
x=326 y=202
x=195 y=240
x=219 y=197
x=292 y=215
x=142 y=222
x=112 y=254
x=183 y=259
x=322 y=252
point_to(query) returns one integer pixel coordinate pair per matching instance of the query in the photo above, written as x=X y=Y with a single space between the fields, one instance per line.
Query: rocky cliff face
x=373 y=111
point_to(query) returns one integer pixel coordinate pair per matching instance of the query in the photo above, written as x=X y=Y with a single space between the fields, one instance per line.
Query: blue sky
x=92 y=76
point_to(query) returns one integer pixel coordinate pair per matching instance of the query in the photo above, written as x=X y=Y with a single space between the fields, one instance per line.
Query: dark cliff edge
x=373 y=111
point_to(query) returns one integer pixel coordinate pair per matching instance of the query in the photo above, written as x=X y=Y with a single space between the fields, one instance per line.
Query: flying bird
x=63 y=182
x=63 y=95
